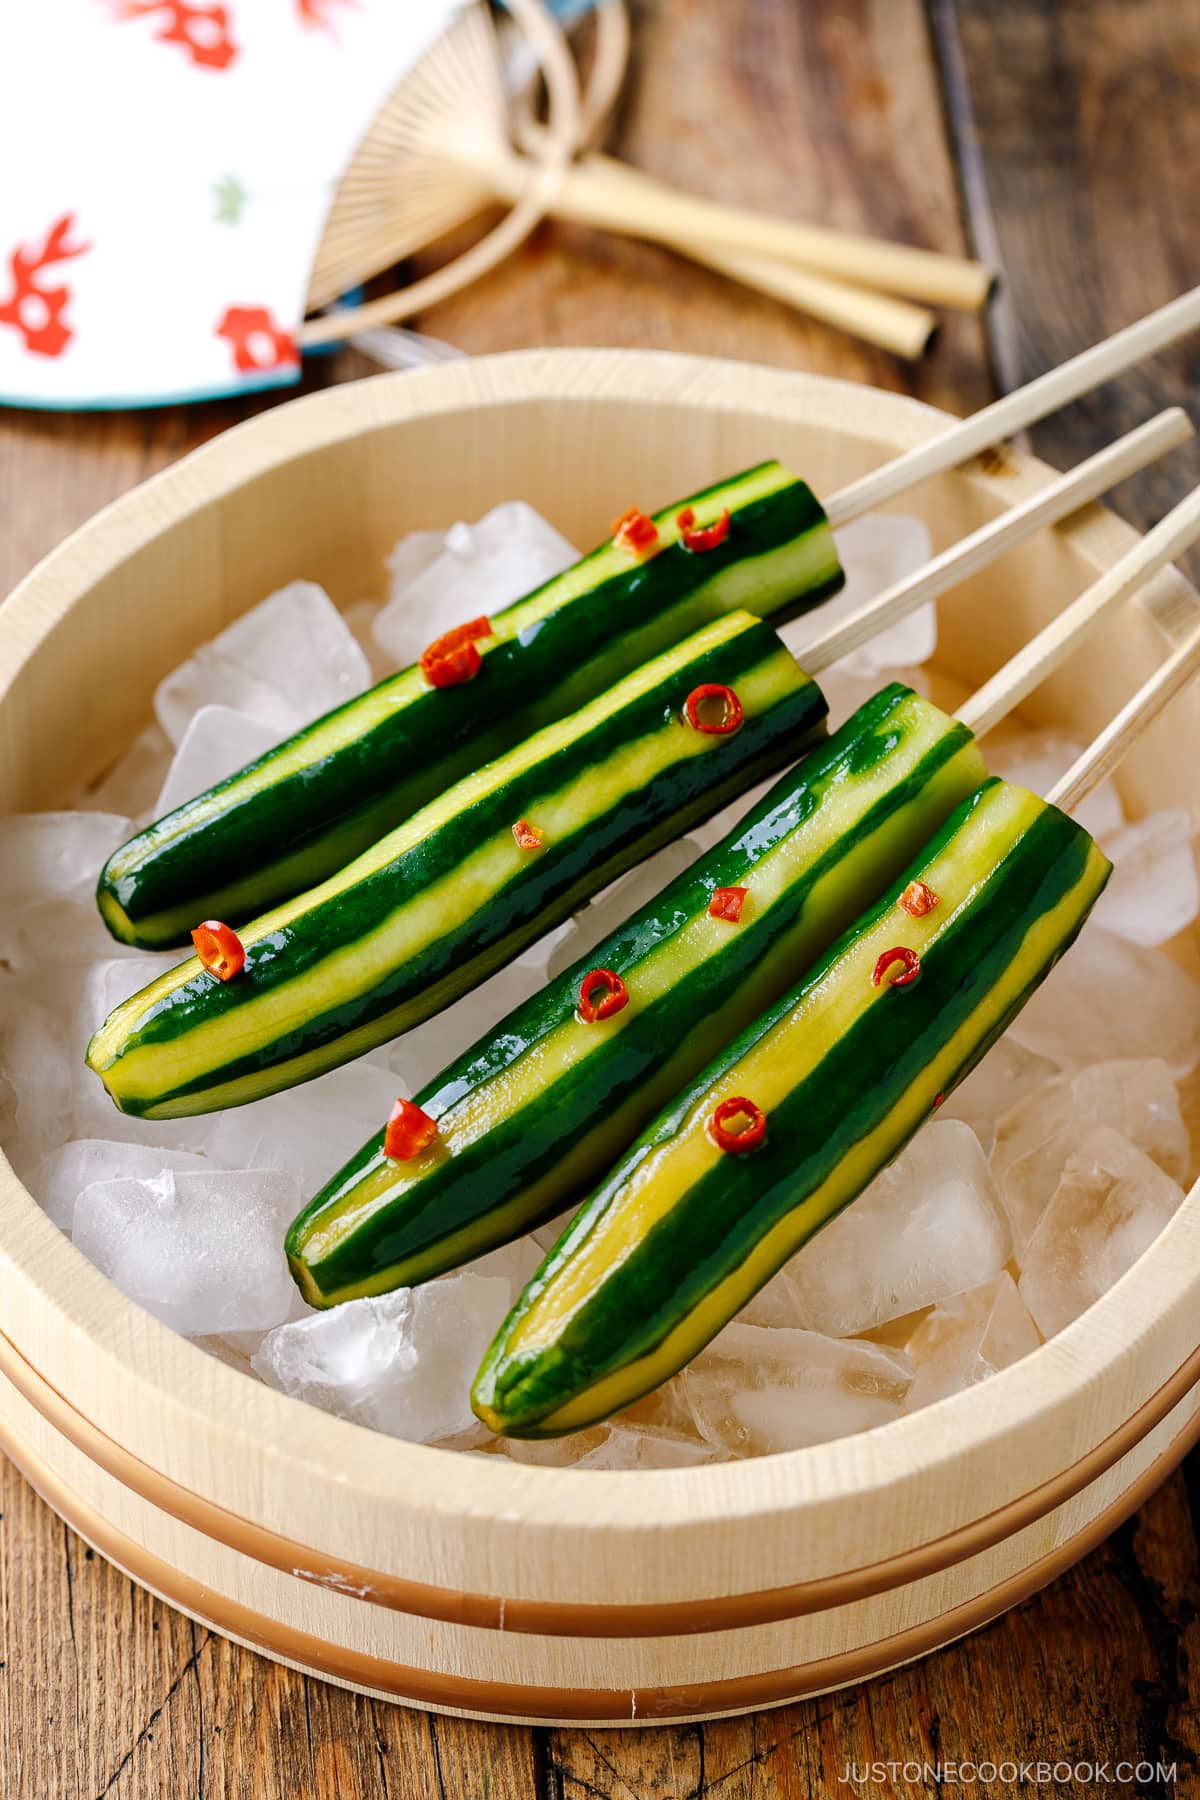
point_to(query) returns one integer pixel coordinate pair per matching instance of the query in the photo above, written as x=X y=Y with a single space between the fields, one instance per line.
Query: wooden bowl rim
x=1047 y=1387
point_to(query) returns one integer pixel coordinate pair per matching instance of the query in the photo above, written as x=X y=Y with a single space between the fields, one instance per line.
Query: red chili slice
x=917 y=899
x=910 y=960
x=634 y=530
x=616 y=995
x=731 y=709
x=527 y=836
x=727 y=903
x=452 y=659
x=219 y=949
x=752 y=1132
x=408 y=1132
x=704 y=537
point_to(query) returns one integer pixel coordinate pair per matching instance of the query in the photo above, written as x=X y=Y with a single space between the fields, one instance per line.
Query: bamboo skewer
x=1120 y=734
x=1024 y=406
x=1043 y=654
x=1071 y=491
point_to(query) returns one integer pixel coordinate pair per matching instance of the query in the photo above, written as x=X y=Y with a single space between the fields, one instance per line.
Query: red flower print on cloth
x=203 y=31
x=316 y=13
x=37 y=311
x=257 y=341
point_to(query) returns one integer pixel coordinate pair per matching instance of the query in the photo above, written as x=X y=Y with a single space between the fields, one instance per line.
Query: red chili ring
x=910 y=959
x=714 y=690
x=453 y=658
x=704 y=537
x=409 y=1130
x=727 y=903
x=615 y=999
x=738 y=1142
x=220 y=949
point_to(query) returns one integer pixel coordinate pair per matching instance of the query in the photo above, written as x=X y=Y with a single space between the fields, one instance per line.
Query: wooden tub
x=485 y=1587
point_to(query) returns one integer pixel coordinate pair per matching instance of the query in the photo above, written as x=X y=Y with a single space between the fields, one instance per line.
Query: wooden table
x=1060 y=141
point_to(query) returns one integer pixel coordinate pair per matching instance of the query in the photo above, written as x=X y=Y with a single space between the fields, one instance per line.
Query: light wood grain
x=834 y=113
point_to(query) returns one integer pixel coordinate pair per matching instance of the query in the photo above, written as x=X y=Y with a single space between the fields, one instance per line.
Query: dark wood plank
x=1087 y=123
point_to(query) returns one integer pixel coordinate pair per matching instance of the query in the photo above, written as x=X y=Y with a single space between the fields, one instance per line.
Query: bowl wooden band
x=724 y=1612
x=435 y=1689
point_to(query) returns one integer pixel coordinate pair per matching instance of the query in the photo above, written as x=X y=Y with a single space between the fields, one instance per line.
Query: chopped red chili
x=528 y=836
x=634 y=530
x=910 y=960
x=219 y=949
x=746 y=1137
x=704 y=537
x=727 y=903
x=917 y=899
x=453 y=658
x=938 y=1101
x=615 y=995
x=408 y=1132
x=729 y=717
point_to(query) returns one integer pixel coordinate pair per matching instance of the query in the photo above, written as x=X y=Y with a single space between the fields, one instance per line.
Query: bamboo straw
x=1043 y=654
x=1024 y=406
x=1091 y=479
x=593 y=192
x=1120 y=734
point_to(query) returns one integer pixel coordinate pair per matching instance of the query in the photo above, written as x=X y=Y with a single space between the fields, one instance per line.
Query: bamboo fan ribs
x=442 y=150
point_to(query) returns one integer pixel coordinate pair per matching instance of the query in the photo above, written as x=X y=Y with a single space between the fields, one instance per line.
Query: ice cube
x=479 y=569
x=310 y=1131
x=547 y=1235
x=360 y=618
x=876 y=551
x=1109 y=1206
x=967 y=1338
x=514 y=1262
x=410 y=557
x=63 y=1174
x=38 y=1064
x=755 y=1391
x=1108 y=999
x=402 y=1363
x=132 y=784
x=613 y=905
x=426 y=1050
x=203 y=1252
x=1005 y=1076
x=1034 y=1139
x=218 y=741
x=1036 y=759
x=623 y=1447
x=1153 y=891
x=285 y=662
x=927 y=1227
x=49 y=863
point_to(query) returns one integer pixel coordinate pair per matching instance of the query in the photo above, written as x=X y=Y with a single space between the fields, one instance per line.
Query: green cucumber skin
x=298 y=828
x=478 y=1192
x=709 y=1232
x=552 y=884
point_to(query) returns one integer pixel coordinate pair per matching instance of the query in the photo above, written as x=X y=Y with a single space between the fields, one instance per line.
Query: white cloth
x=167 y=167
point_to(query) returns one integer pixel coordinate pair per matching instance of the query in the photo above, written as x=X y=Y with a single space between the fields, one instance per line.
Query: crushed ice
x=1051 y=1168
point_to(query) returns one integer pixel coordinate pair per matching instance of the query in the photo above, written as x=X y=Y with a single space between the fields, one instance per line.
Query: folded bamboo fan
x=450 y=143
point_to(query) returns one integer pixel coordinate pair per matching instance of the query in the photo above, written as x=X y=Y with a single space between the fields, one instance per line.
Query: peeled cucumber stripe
x=531 y=1115
x=681 y=1234
x=301 y=812
x=437 y=905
